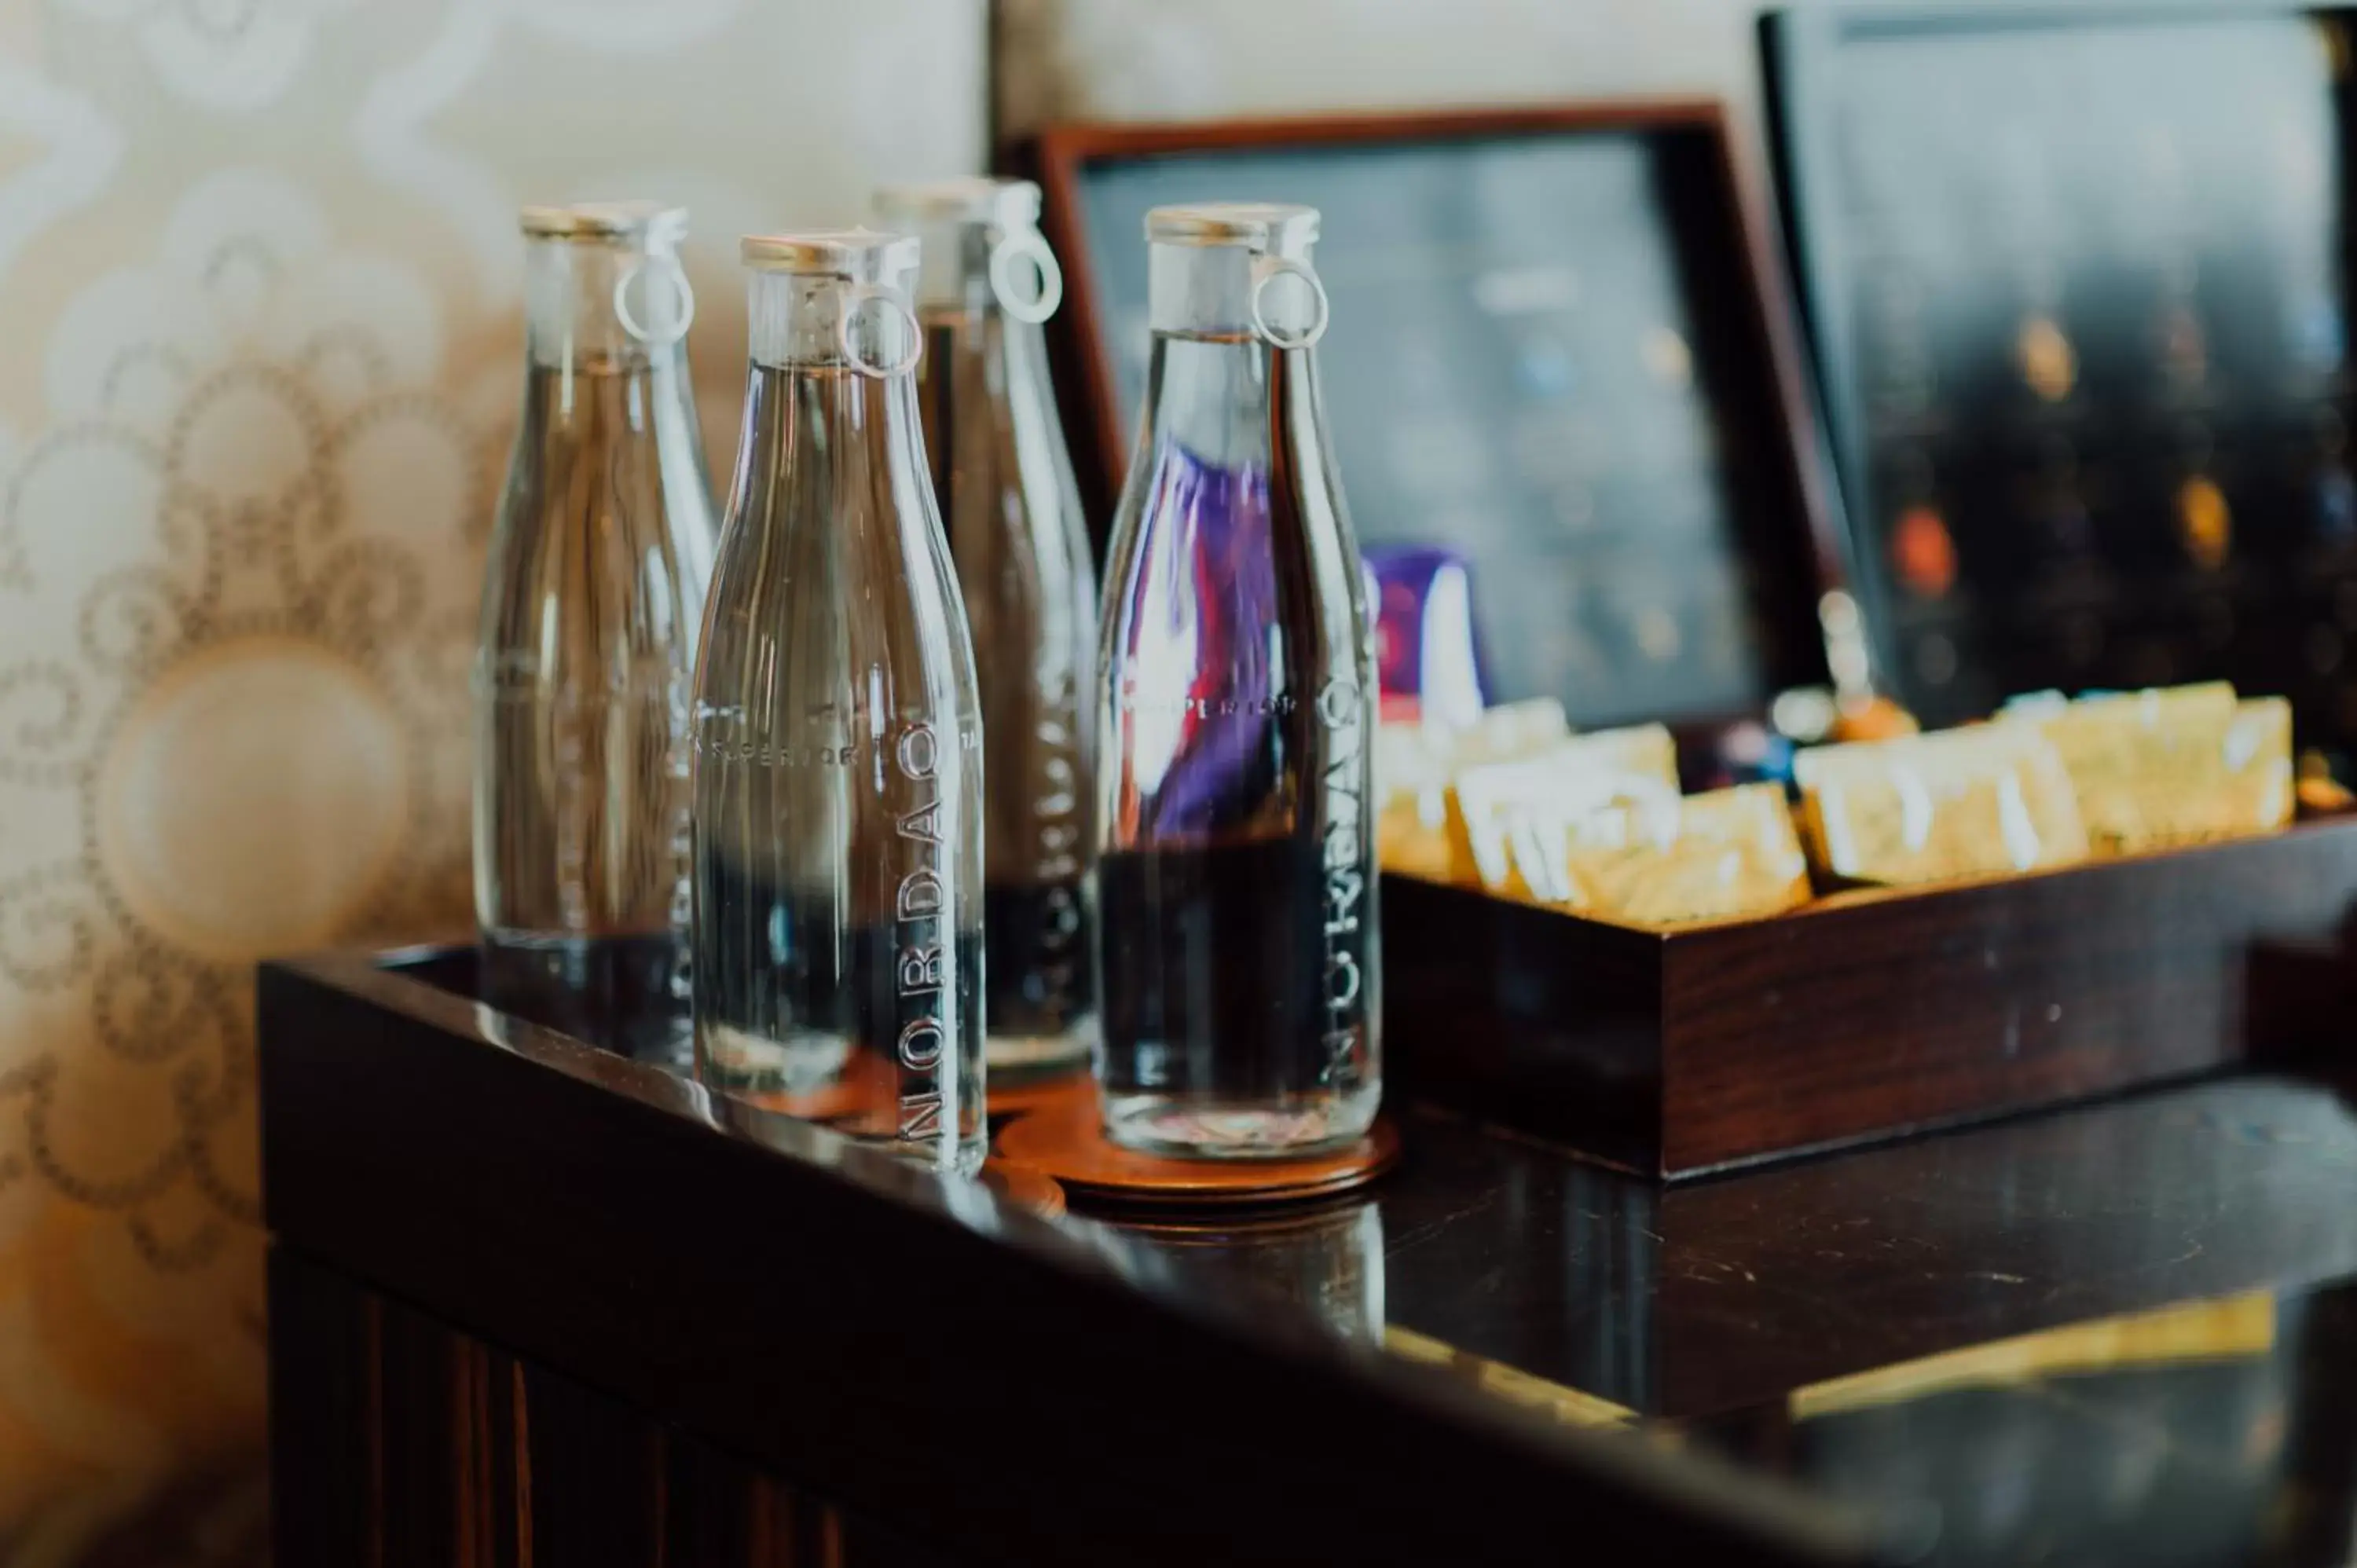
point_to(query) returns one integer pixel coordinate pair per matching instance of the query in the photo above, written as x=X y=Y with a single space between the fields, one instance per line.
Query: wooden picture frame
x=1786 y=528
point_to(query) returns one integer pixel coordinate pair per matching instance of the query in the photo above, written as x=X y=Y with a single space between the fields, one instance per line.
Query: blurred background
x=259 y=298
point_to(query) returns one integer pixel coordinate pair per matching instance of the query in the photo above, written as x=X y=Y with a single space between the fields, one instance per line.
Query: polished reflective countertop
x=2125 y=1333
x=2121 y=1333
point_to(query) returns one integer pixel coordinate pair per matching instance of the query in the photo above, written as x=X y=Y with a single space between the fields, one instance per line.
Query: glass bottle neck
x=832 y=400
x=812 y=323
x=979 y=325
x=953 y=278
x=594 y=372
x=603 y=307
x=1210 y=398
x=1210 y=291
x=977 y=346
x=1215 y=377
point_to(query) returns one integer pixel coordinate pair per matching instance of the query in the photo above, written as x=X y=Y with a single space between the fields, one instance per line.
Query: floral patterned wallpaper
x=259 y=302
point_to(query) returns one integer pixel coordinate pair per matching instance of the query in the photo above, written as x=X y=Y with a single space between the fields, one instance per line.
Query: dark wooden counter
x=535 y=1302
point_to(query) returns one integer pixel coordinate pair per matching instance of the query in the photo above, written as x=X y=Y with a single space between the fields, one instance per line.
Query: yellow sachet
x=1415 y=761
x=2259 y=795
x=2156 y=768
x=1512 y=730
x=1410 y=770
x=1490 y=805
x=1983 y=801
x=1717 y=856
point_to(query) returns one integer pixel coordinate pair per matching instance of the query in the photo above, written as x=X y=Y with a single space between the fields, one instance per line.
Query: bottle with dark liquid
x=1238 y=966
x=838 y=732
x=592 y=602
x=987 y=282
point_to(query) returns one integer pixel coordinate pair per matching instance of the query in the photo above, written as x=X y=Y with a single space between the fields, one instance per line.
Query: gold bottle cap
x=647 y=222
x=860 y=256
x=1269 y=228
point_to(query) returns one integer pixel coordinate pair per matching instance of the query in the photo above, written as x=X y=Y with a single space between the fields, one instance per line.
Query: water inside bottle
x=1012 y=513
x=1236 y=894
x=582 y=688
x=838 y=844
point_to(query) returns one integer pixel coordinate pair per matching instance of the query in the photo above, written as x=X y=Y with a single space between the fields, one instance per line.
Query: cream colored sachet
x=1490 y=805
x=1512 y=729
x=1723 y=856
x=1414 y=763
x=1412 y=767
x=1982 y=801
x=2260 y=789
x=2178 y=765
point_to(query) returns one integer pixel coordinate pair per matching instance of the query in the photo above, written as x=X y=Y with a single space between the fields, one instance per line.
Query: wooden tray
x=1868 y=1015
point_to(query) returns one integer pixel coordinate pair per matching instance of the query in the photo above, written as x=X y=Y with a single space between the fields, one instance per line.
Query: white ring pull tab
x=1266 y=270
x=1027 y=245
x=669 y=267
x=854 y=297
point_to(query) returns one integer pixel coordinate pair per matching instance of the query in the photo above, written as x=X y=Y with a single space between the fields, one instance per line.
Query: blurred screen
x=1517 y=372
x=2079 y=292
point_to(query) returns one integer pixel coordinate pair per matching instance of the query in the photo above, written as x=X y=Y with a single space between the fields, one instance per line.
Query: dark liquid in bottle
x=1037 y=978
x=617 y=993
x=776 y=970
x=1218 y=971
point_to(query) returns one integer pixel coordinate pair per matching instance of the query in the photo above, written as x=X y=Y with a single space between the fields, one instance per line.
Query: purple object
x=1212 y=537
x=1427 y=656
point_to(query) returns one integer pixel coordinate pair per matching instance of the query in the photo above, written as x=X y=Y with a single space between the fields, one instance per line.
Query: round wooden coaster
x=869 y=1081
x=1066 y=1141
x=864 y=1082
x=1032 y=1190
x=1021 y=1098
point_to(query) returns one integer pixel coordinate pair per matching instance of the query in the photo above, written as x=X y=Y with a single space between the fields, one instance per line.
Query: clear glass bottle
x=838 y=732
x=592 y=602
x=985 y=282
x=1238 y=966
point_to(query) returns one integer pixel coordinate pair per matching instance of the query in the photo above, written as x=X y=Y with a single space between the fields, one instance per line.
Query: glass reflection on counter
x=1569 y=1405
x=2221 y=1432
x=631 y=1012
x=1327 y=1261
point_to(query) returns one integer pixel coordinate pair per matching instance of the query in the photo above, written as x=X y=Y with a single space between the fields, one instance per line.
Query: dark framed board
x=2075 y=278
x=1550 y=357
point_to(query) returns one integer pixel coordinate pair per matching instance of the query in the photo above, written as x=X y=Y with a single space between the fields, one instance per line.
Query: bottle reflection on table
x=1328 y=1262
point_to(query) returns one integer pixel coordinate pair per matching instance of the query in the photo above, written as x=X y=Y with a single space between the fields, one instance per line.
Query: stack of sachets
x=1519 y=806
x=1981 y=801
x=1416 y=765
x=2154 y=769
x=2050 y=782
x=1592 y=823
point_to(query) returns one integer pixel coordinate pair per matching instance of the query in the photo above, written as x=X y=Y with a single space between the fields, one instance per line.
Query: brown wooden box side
x=1879 y=1014
x=1525 y=1016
